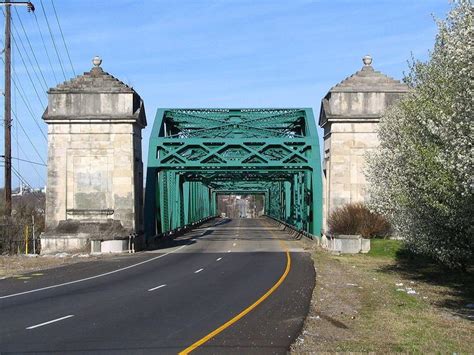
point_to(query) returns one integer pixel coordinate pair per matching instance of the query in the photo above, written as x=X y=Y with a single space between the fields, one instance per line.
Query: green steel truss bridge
x=197 y=154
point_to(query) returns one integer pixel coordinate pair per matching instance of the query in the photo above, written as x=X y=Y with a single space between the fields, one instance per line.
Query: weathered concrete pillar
x=350 y=113
x=95 y=170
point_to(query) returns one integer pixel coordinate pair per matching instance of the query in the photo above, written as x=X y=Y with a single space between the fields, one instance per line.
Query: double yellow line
x=246 y=310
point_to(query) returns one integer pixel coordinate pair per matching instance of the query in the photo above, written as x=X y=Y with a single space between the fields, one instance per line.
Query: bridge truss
x=197 y=154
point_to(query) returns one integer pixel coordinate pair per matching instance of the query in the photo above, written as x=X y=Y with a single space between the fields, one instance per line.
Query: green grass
x=384 y=248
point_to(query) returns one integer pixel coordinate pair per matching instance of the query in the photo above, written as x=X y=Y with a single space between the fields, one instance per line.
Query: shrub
x=356 y=218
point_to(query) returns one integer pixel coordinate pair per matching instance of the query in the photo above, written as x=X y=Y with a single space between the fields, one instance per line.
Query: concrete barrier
x=114 y=246
x=348 y=244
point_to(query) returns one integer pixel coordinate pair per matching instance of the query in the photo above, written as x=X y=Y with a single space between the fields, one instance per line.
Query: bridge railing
x=295 y=232
x=157 y=239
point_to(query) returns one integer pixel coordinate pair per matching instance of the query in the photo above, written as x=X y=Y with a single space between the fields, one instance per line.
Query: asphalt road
x=164 y=301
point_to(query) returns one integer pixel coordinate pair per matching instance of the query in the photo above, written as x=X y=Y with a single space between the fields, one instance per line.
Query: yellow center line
x=246 y=310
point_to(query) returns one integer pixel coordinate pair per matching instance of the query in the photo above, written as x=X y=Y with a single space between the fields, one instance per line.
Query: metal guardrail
x=295 y=232
x=178 y=231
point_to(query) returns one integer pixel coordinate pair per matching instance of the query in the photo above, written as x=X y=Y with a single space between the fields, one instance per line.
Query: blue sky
x=220 y=53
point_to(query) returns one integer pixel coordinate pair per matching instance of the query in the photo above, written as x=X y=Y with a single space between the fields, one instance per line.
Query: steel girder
x=196 y=154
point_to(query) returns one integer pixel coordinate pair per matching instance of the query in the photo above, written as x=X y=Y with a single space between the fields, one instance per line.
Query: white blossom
x=421 y=176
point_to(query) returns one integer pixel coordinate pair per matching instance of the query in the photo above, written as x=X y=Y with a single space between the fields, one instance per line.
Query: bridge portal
x=197 y=154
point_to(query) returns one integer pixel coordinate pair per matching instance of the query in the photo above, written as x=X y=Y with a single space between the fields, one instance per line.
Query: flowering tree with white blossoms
x=421 y=177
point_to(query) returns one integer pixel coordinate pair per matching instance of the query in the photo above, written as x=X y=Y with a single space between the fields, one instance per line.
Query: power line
x=17 y=38
x=26 y=161
x=30 y=112
x=31 y=47
x=33 y=166
x=28 y=72
x=62 y=36
x=26 y=183
x=22 y=93
x=18 y=84
x=28 y=137
x=31 y=162
x=52 y=39
x=45 y=47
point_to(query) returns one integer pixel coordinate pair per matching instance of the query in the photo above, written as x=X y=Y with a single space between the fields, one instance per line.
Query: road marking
x=218 y=259
x=243 y=313
x=50 y=321
x=197 y=271
x=92 y=277
x=157 y=287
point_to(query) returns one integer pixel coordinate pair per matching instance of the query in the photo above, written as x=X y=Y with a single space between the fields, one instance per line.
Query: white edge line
x=91 y=277
x=157 y=287
x=218 y=259
x=198 y=271
x=49 y=322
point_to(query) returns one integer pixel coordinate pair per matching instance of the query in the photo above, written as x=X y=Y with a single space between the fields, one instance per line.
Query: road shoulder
x=363 y=303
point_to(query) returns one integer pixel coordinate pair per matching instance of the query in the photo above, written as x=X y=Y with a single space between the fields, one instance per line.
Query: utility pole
x=8 y=114
x=8 y=101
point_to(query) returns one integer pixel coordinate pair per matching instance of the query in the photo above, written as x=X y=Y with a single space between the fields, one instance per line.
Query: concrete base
x=114 y=246
x=63 y=243
x=348 y=244
x=76 y=236
x=364 y=246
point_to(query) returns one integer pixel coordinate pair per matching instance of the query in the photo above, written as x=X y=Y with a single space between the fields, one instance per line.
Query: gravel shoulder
x=378 y=303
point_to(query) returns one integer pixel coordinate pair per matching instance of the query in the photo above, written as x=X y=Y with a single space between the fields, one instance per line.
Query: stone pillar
x=95 y=170
x=350 y=113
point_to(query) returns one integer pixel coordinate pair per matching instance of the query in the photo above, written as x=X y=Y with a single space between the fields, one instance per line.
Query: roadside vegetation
x=414 y=295
x=389 y=300
x=28 y=211
x=420 y=177
x=356 y=218
x=20 y=266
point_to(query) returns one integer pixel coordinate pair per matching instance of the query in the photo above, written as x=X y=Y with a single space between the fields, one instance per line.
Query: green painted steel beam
x=196 y=154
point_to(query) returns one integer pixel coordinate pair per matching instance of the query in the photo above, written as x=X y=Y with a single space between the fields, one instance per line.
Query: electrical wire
x=23 y=180
x=28 y=137
x=62 y=36
x=52 y=39
x=34 y=193
x=31 y=114
x=27 y=71
x=16 y=37
x=31 y=48
x=24 y=160
x=21 y=92
x=45 y=47
x=33 y=166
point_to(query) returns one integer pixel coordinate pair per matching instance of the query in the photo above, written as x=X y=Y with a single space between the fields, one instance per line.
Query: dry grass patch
x=16 y=265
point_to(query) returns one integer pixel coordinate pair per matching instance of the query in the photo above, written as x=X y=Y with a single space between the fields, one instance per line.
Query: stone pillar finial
x=97 y=61
x=367 y=60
